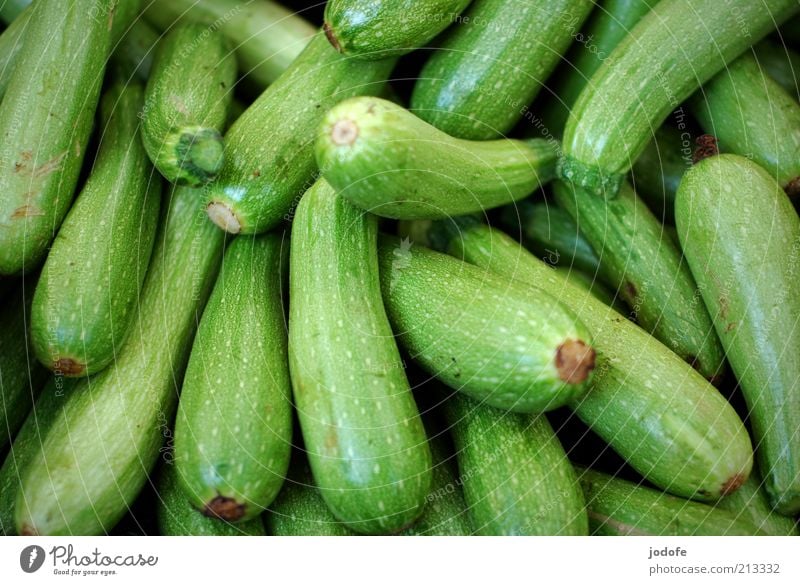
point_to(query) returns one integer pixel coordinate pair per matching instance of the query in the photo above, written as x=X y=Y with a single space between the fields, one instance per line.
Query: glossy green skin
x=644 y=265
x=658 y=171
x=517 y=479
x=781 y=63
x=402 y=167
x=752 y=115
x=135 y=52
x=492 y=64
x=267 y=36
x=621 y=508
x=650 y=406
x=85 y=300
x=233 y=433
x=186 y=105
x=740 y=235
x=116 y=427
x=667 y=56
x=10 y=46
x=46 y=125
x=177 y=517
x=11 y=9
x=262 y=181
x=361 y=427
x=750 y=503
x=478 y=333
x=377 y=29
x=608 y=24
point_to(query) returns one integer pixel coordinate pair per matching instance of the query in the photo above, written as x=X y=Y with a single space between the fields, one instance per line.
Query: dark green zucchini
x=11 y=9
x=133 y=55
x=781 y=63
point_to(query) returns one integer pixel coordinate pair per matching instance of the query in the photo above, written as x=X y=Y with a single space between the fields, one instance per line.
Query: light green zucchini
x=750 y=502
x=10 y=46
x=741 y=238
x=361 y=428
x=385 y=160
x=781 y=63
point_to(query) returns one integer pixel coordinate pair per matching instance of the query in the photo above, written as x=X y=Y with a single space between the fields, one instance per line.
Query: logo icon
x=31 y=558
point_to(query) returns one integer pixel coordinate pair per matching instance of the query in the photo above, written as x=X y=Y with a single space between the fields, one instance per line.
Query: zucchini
x=658 y=413
x=186 y=104
x=517 y=479
x=85 y=303
x=621 y=508
x=666 y=57
x=133 y=56
x=233 y=433
x=377 y=29
x=262 y=181
x=177 y=517
x=10 y=46
x=116 y=428
x=482 y=335
x=42 y=157
x=493 y=63
x=11 y=9
x=21 y=376
x=267 y=36
x=361 y=427
x=590 y=284
x=750 y=503
x=751 y=115
x=739 y=234
x=384 y=159
x=781 y=63
x=643 y=264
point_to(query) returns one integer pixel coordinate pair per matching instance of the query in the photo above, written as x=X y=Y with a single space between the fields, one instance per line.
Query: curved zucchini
x=740 y=234
x=621 y=508
x=665 y=58
x=186 y=104
x=262 y=181
x=491 y=65
x=134 y=54
x=377 y=29
x=177 y=517
x=365 y=441
x=233 y=434
x=751 y=115
x=750 y=502
x=482 y=335
x=116 y=427
x=385 y=160
x=85 y=302
x=517 y=479
x=267 y=36
x=781 y=63
x=42 y=156
x=10 y=46
x=653 y=409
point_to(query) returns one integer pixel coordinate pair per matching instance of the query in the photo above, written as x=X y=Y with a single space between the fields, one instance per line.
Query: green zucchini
x=482 y=335
x=491 y=65
x=11 y=9
x=781 y=63
x=384 y=159
x=233 y=433
x=365 y=441
x=750 y=503
x=186 y=104
x=663 y=60
x=516 y=477
x=643 y=264
x=10 y=46
x=377 y=29
x=177 y=517
x=262 y=181
x=653 y=409
x=267 y=36
x=43 y=155
x=21 y=376
x=740 y=235
x=621 y=508
x=116 y=427
x=589 y=283
x=85 y=300
x=133 y=56
x=751 y=115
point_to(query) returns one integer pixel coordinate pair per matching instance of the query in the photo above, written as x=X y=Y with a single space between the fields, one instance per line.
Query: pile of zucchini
x=414 y=267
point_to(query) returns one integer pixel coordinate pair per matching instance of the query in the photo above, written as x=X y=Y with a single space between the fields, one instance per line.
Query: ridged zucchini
x=361 y=428
x=781 y=63
x=385 y=160
x=186 y=104
x=741 y=235
x=490 y=66
x=658 y=413
x=674 y=49
x=85 y=300
x=262 y=181
x=115 y=427
x=233 y=433
x=517 y=479
x=750 y=502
